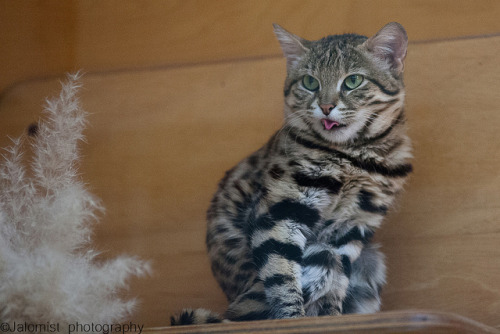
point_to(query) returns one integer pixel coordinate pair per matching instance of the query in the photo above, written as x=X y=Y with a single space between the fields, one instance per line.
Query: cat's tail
x=195 y=317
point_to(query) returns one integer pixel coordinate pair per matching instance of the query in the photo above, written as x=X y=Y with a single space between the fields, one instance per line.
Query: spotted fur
x=290 y=228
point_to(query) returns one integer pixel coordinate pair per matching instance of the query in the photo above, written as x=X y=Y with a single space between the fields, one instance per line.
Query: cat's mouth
x=329 y=125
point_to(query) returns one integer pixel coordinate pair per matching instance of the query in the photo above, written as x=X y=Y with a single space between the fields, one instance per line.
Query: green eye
x=353 y=81
x=310 y=83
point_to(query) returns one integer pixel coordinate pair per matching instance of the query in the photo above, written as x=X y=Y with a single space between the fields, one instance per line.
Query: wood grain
x=381 y=323
x=36 y=39
x=43 y=38
x=160 y=140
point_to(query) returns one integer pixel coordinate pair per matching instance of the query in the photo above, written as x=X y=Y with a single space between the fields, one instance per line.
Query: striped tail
x=195 y=317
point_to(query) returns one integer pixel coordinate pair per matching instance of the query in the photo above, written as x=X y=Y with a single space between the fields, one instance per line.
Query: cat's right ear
x=293 y=46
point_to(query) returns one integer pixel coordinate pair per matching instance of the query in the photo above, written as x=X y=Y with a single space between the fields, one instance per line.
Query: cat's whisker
x=288 y=124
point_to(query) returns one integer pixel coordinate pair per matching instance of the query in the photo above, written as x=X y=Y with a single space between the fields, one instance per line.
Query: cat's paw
x=323 y=273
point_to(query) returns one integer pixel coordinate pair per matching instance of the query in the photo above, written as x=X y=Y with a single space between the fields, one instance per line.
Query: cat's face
x=344 y=88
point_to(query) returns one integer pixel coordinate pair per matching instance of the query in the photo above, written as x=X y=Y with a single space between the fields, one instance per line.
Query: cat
x=290 y=227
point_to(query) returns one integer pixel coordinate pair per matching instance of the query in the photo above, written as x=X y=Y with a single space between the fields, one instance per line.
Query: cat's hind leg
x=251 y=305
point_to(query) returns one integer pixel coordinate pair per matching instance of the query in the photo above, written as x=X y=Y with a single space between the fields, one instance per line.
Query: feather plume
x=48 y=272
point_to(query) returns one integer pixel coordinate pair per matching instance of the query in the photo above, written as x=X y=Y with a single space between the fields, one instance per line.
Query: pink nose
x=326 y=108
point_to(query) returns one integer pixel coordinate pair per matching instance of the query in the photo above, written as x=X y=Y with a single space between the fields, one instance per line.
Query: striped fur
x=290 y=227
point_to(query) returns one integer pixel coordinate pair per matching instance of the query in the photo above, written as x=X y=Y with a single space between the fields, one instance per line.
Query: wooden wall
x=160 y=140
x=50 y=37
x=161 y=137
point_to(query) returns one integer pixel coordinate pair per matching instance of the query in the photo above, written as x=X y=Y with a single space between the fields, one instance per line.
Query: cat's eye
x=353 y=81
x=310 y=83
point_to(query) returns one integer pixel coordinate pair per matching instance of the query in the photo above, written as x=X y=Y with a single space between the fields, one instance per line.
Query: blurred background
x=46 y=38
x=179 y=91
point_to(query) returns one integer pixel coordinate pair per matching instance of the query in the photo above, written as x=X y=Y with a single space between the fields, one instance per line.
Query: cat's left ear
x=390 y=45
x=292 y=45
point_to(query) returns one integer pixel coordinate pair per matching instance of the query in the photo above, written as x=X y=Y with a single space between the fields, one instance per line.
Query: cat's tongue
x=329 y=124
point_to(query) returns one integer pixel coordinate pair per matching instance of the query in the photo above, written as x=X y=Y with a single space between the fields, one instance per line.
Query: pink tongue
x=329 y=124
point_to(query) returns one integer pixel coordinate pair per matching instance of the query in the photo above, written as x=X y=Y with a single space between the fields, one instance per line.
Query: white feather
x=47 y=273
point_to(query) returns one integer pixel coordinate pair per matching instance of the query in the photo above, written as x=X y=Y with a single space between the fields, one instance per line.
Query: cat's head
x=345 y=88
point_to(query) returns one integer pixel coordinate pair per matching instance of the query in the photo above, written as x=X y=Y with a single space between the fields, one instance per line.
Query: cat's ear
x=390 y=45
x=293 y=46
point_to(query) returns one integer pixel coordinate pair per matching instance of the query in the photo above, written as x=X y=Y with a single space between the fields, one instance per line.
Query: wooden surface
x=381 y=323
x=43 y=38
x=159 y=141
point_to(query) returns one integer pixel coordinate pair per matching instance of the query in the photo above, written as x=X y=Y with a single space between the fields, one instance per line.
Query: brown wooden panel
x=159 y=141
x=36 y=39
x=50 y=37
x=180 y=31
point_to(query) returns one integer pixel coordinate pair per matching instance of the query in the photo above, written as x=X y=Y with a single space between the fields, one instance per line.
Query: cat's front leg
x=278 y=243
x=328 y=263
x=325 y=279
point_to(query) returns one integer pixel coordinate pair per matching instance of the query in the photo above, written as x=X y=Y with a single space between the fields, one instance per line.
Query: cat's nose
x=326 y=108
